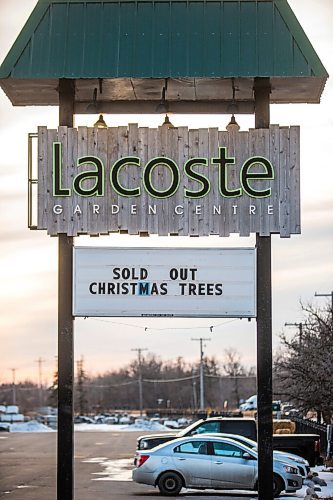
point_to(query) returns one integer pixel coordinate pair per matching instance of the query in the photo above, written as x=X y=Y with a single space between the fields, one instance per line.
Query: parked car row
x=106 y=418
x=211 y=461
x=304 y=445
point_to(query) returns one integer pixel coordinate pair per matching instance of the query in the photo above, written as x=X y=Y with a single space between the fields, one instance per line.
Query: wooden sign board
x=169 y=181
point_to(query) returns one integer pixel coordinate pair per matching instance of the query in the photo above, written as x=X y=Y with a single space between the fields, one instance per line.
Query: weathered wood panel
x=216 y=212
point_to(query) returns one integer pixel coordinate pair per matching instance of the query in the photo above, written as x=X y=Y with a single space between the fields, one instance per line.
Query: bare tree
x=233 y=367
x=303 y=369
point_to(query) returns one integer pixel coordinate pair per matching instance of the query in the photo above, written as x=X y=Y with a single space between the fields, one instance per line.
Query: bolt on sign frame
x=130 y=56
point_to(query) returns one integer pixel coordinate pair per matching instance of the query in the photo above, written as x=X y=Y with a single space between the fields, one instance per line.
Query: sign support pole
x=65 y=443
x=264 y=326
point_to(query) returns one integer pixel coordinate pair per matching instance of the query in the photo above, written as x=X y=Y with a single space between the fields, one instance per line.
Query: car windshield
x=203 y=428
x=187 y=429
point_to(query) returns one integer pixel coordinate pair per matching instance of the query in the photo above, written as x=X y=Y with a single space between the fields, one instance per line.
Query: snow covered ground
x=139 y=425
x=123 y=470
x=326 y=491
x=31 y=426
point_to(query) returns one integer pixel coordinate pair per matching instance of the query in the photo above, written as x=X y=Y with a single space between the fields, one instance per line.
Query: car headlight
x=290 y=469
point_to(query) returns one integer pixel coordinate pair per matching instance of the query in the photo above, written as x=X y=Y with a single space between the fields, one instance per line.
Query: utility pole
x=81 y=376
x=300 y=329
x=326 y=295
x=194 y=388
x=202 y=389
x=14 y=386
x=139 y=350
x=40 y=362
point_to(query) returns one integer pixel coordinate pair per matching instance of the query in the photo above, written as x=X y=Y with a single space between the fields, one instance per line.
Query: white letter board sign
x=170 y=282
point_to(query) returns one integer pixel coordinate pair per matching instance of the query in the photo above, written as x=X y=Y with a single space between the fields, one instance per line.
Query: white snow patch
x=139 y=425
x=146 y=425
x=32 y=426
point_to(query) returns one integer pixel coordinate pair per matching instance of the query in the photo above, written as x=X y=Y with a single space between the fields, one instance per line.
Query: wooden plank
x=263 y=150
x=143 y=200
x=81 y=220
x=123 y=202
x=295 y=214
x=133 y=180
x=72 y=171
x=93 y=217
x=112 y=197
x=43 y=174
x=253 y=141
x=274 y=155
x=89 y=201
x=224 y=203
x=203 y=216
x=232 y=218
x=52 y=136
x=63 y=218
x=101 y=202
x=193 y=224
x=163 y=177
x=243 y=202
x=284 y=183
x=214 y=194
x=152 y=202
x=175 y=200
x=181 y=200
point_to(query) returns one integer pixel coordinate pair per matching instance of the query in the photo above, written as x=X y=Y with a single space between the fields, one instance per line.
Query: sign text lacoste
x=168 y=181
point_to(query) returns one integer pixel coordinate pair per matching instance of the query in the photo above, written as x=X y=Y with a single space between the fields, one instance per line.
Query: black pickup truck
x=304 y=445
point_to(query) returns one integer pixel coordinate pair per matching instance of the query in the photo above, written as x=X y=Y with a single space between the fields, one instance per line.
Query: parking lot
x=103 y=463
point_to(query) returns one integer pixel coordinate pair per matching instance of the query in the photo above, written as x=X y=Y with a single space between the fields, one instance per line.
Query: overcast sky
x=302 y=264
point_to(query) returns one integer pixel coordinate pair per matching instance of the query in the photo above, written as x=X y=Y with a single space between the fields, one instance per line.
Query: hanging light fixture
x=100 y=122
x=167 y=123
x=232 y=125
x=233 y=108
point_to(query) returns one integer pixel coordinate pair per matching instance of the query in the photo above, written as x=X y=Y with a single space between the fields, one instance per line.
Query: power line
x=164 y=381
x=149 y=329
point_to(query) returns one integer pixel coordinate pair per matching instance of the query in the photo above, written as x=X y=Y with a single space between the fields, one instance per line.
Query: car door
x=232 y=467
x=192 y=460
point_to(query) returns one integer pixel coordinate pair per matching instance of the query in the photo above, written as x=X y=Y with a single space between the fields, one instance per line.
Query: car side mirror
x=247 y=456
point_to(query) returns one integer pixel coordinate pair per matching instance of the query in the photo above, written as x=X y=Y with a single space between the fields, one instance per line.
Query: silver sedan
x=202 y=462
x=284 y=456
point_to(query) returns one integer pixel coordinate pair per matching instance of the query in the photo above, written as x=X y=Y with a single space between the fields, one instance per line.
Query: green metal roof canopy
x=128 y=48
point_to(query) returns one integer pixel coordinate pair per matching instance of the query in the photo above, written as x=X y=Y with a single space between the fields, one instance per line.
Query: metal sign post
x=65 y=443
x=264 y=327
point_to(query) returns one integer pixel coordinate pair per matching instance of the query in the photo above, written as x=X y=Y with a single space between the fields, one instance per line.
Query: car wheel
x=170 y=484
x=278 y=485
